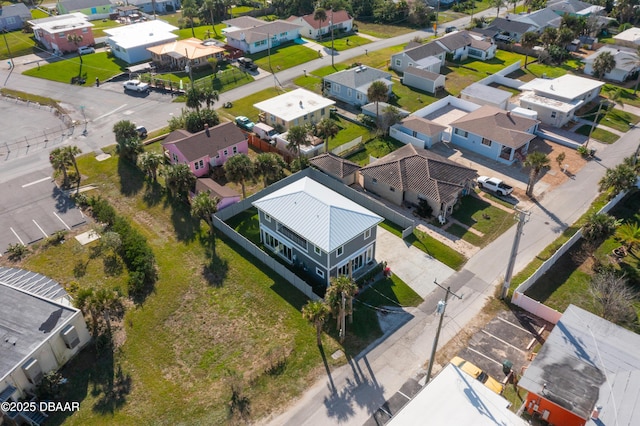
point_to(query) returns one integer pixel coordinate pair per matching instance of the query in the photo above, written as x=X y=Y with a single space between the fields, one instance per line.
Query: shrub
x=102 y=210
x=424 y=209
x=17 y=251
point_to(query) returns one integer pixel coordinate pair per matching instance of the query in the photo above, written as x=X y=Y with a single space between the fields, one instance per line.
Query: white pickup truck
x=494 y=184
x=136 y=86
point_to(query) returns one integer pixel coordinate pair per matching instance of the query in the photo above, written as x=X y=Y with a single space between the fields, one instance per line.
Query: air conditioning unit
x=70 y=337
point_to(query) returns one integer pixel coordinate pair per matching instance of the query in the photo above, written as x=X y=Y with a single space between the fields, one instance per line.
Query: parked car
x=142 y=132
x=136 y=86
x=478 y=374
x=450 y=29
x=85 y=50
x=244 y=123
x=265 y=132
x=494 y=184
x=247 y=64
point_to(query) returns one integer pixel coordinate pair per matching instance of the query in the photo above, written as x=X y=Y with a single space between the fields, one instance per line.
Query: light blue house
x=494 y=133
x=13 y=16
x=88 y=7
x=351 y=85
x=130 y=43
x=417 y=131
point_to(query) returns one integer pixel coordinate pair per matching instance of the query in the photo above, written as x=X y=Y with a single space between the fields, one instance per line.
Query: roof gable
x=261 y=32
x=358 y=77
x=207 y=142
x=424 y=51
x=321 y=216
x=338 y=17
x=18 y=9
x=497 y=125
x=334 y=165
x=510 y=26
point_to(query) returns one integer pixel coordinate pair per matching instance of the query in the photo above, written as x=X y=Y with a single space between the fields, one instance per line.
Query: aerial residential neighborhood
x=294 y=213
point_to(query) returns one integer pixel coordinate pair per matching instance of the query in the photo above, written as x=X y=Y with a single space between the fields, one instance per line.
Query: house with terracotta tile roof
x=340 y=20
x=337 y=167
x=225 y=195
x=178 y=53
x=411 y=174
x=206 y=149
x=494 y=133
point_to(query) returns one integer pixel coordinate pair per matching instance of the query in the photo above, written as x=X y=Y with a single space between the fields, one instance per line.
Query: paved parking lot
x=509 y=336
x=33 y=208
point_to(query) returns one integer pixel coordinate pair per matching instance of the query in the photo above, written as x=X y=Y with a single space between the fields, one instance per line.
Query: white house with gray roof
x=486 y=95
x=39 y=331
x=423 y=79
x=351 y=85
x=626 y=63
x=314 y=228
x=260 y=37
x=295 y=108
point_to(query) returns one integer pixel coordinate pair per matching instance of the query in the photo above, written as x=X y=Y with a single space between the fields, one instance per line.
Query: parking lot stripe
x=515 y=325
x=484 y=356
x=503 y=341
x=404 y=395
x=41 y=230
x=36 y=181
x=60 y=219
x=17 y=236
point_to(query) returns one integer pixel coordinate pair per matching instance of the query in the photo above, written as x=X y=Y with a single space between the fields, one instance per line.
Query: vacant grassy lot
x=599 y=134
x=20 y=44
x=283 y=57
x=99 y=26
x=94 y=65
x=481 y=216
x=345 y=42
x=215 y=318
x=382 y=30
x=202 y=32
x=378 y=147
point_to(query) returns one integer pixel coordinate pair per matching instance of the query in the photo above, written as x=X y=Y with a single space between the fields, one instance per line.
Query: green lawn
x=245 y=107
x=38 y=14
x=429 y=245
x=378 y=147
x=227 y=78
x=202 y=32
x=483 y=217
x=465 y=234
x=94 y=65
x=627 y=95
x=614 y=118
x=283 y=57
x=382 y=30
x=348 y=132
x=599 y=134
x=19 y=43
x=99 y=26
x=346 y=42
x=212 y=316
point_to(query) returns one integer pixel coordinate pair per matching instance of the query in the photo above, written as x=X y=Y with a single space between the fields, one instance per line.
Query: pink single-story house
x=53 y=32
x=225 y=195
x=206 y=149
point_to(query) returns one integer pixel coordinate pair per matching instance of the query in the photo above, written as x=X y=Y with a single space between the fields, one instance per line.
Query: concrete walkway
x=412 y=265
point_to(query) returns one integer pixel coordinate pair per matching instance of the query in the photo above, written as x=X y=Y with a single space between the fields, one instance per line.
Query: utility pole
x=343 y=325
x=522 y=219
x=442 y=306
x=188 y=68
x=4 y=34
x=331 y=24
x=435 y=26
x=593 y=125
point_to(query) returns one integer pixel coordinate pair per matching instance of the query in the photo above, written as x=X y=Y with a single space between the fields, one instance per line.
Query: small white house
x=130 y=43
x=295 y=108
x=626 y=63
x=486 y=95
x=422 y=79
x=262 y=37
x=339 y=21
x=628 y=38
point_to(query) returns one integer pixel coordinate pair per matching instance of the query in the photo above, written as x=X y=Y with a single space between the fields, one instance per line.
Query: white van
x=265 y=131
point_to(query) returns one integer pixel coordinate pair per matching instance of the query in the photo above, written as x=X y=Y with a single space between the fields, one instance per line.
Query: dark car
x=450 y=29
x=142 y=132
x=247 y=64
x=244 y=123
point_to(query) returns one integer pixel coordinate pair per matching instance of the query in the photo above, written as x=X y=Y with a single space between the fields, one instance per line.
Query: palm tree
x=536 y=161
x=210 y=7
x=129 y=145
x=296 y=137
x=194 y=99
x=190 y=11
x=204 y=207
x=549 y=36
x=76 y=39
x=70 y=152
x=603 y=64
x=528 y=41
x=179 y=179
x=565 y=36
x=327 y=129
x=634 y=61
x=316 y=313
x=150 y=162
x=497 y=4
x=620 y=178
x=599 y=226
x=239 y=169
x=107 y=302
x=320 y=15
x=59 y=161
x=377 y=92
x=209 y=96
x=270 y=166
x=629 y=234
x=342 y=285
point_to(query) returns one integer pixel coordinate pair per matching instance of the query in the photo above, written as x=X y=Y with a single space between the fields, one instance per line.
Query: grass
x=19 y=43
x=346 y=42
x=228 y=77
x=212 y=316
x=612 y=117
x=465 y=234
x=31 y=97
x=99 y=26
x=390 y=291
x=348 y=132
x=202 y=32
x=282 y=57
x=245 y=107
x=429 y=245
x=382 y=30
x=38 y=14
x=95 y=65
x=483 y=217
x=626 y=95
x=600 y=134
x=378 y=147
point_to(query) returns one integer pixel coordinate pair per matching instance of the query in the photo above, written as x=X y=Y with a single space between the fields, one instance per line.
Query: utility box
x=506 y=366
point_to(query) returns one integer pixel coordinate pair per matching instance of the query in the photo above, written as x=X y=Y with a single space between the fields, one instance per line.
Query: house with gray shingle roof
x=418 y=131
x=587 y=373
x=411 y=174
x=419 y=56
x=13 y=16
x=206 y=149
x=261 y=37
x=510 y=28
x=423 y=79
x=337 y=167
x=340 y=21
x=351 y=85
x=494 y=133
x=318 y=230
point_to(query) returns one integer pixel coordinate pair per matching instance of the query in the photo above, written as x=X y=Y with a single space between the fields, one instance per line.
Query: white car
x=84 y=50
x=136 y=86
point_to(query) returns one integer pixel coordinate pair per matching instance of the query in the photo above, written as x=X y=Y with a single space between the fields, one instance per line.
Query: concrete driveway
x=415 y=267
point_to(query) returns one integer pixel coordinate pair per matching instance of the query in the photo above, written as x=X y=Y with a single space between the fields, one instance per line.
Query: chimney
x=206 y=129
x=301 y=104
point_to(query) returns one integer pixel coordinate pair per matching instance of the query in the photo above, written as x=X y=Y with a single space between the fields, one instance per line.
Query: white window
x=339 y=251
x=367 y=234
x=359 y=96
x=553 y=114
x=320 y=272
x=336 y=88
x=218 y=156
x=322 y=111
x=486 y=141
x=174 y=156
x=85 y=30
x=317 y=250
x=398 y=63
x=199 y=164
x=461 y=132
x=349 y=92
x=267 y=217
x=226 y=152
x=234 y=150
x=273 y=118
